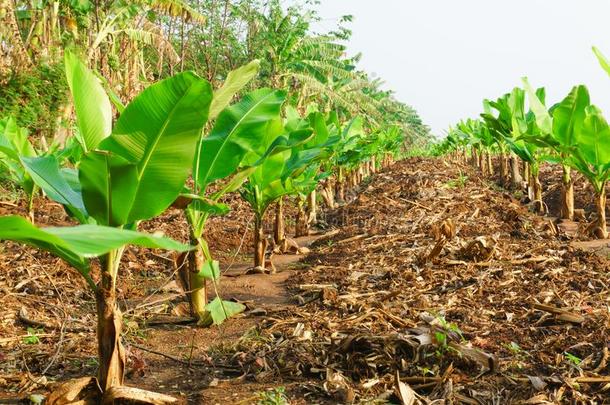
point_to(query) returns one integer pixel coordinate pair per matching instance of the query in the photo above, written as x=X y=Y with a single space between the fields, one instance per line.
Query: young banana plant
x=592 y=159
x=525 y=133
x=132 y=171
x=304 y=166
x=348 y=153
x=557 y=130
x=271 y=179
x=239 y=130
x=501 y=127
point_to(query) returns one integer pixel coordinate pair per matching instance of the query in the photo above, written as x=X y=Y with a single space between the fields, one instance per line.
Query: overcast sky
x=444 y=56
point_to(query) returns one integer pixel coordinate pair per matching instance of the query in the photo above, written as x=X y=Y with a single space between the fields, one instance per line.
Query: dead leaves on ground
x=437 y=293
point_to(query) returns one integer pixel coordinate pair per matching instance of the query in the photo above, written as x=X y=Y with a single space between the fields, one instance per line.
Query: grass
x=274 y=396
x=459 y=182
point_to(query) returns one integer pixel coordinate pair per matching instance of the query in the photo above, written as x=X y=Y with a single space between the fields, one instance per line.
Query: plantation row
x=113 y=174
x=572 y=133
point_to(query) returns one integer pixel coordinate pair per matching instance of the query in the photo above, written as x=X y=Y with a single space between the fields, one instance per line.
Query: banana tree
x=558 y=130
x=271 y=179
x=132 y=171
x=349 y=150
x=592 y=158
x=238 y=131
x=304 y=167
x=482 y=141
x=501 y=127
x=524 y=143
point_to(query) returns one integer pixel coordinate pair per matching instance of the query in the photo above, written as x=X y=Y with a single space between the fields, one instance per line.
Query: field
x=501 y=309
x=222 y=202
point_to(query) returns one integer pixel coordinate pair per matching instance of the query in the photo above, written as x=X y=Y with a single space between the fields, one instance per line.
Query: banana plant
x=592 y=158
x=524 y=143
x=304 y=167
x=348 y=152
x=501 y=127
x=558 y=131
x=300 y=168
x=131 y=171
x=271 y=179
x=239 y=130
x=482 y=142
x=14 y=143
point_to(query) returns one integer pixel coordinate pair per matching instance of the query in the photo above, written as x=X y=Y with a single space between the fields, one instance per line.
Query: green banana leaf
x=239 y=130
x=569 y=116
x=76 y=245
x=235 y=81
x=218 y=310
x=603 y=61
x=104 y=176
x=543 y=118
x=46 y=173
x=14 y=143
x=158 y=132
x=93 y=109
x=594 y=138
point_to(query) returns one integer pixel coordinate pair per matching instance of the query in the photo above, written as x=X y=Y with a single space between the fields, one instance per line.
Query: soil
x=436 y=280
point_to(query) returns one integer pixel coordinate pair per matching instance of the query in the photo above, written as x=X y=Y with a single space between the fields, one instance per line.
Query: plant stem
x=567 y=194
x=260 y=242
x=600 y=205
x=301 y=225
x=312 y=207
x=515 y=176
x=279 y=228
x=109 y=323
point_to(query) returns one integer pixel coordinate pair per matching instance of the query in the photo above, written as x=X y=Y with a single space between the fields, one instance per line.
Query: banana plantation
x=208 y=202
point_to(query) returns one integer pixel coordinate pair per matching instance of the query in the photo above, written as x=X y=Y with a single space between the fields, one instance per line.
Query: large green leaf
x=217 y=311
x=95 y=240
x=239 y=130
x=321 y=133
x=93 y=109
x=84 y=241
x=516 y=103
x=47 y=175
x=235 y=81
x=569 y=115
x=594 y=138
x=158 y=132
x=79 y=243
x=543 y=118
x=109 y=185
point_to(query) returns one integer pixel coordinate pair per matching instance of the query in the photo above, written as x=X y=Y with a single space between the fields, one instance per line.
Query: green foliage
x=32 y=337
x=35 y=97
x=275 y=396
x=137 y=172
x=76 y=245
x=93 y=110
x=575 y=360
x=14 y=144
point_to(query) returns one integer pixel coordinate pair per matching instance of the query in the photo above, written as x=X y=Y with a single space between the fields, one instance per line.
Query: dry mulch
x=442 y=284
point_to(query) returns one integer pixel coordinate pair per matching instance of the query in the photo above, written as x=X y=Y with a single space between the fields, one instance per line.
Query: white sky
x=444 y=56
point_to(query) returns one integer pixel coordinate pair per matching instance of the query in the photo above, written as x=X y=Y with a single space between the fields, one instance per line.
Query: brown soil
x=459 y=291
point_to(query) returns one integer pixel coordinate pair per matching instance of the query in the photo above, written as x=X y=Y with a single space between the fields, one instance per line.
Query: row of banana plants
x=179 y=143
x=572 y=133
